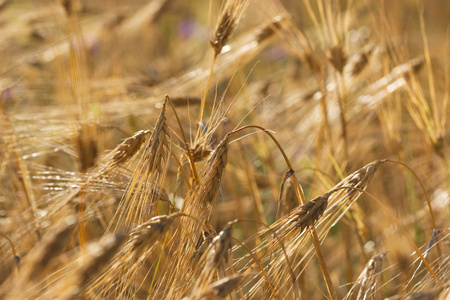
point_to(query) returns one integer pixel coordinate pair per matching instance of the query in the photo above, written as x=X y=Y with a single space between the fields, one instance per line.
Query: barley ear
x=228 y=20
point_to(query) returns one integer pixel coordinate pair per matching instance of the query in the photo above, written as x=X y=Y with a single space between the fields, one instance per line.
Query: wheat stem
x=322 y=264
x=298 y=188
x=205 y=91
x=433 y=220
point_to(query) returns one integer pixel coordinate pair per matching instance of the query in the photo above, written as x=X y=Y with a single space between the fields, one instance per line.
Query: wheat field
x=235 y=149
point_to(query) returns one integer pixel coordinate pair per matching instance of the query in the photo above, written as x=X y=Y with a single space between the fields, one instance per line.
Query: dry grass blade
x=394 y=80
x=427 y=252
x=439 y=294
x=86 y=146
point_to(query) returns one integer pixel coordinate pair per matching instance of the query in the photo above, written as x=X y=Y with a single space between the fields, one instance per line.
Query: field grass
x=229 y=149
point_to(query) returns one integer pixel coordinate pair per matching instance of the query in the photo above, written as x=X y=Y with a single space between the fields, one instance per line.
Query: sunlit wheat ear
x=118 y=158
x=128 y=148
x=307 y=215
x=212 y=176
x=369 y=281
x=199 y=199
x=146 y=185
x=217 y=252
x=137 y=249
x=219 y=289
x=150 y=231
x=159 y=142
x=228 y=20
x=99 y=177
x=94 y=261
x=127 y=264
x=359 y=179
x=219 y=247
